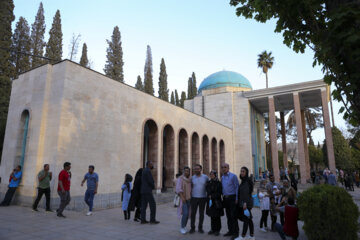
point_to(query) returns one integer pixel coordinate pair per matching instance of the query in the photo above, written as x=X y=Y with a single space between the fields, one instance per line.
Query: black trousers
x=137 y=213
x=42 y=191
x=148 y=198
x=273 y=221
x=282 y=218
x=231 y=214
x=8 y=196
x=195 y=203
x=215 y=224
x=264 y=217
x=248 y=223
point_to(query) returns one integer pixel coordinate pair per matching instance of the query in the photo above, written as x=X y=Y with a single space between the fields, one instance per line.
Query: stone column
x=306 y=149
x=218 y=156
x=177 y=154
x=328 y=133
x=159 y=161
x=201 y=152
x=300 y=135
x=210 y=155
x=273 y=139
x=189 y=155
x=283 y=138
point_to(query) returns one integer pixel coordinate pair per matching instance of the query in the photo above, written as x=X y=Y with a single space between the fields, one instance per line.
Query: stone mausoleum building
x=65 y=112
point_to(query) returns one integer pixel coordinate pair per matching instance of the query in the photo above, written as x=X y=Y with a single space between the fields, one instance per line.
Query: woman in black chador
x=135 y=199
x=214 y=208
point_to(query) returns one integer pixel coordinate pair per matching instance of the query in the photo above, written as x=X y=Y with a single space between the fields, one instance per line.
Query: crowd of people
x=219 y=196
x=197 y=194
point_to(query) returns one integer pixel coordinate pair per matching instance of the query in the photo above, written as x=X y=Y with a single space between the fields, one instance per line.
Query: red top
x=64 y=177
x=291 y=218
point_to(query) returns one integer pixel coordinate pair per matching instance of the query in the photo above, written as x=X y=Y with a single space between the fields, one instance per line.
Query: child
x=264 y=206
x=273 y=213
x=276 y=194
x=125 y=196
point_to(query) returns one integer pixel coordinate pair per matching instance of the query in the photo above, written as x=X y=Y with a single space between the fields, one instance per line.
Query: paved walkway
x=17 y=223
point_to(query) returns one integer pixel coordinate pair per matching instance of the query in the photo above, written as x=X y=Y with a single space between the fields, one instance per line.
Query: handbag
x=176 y=200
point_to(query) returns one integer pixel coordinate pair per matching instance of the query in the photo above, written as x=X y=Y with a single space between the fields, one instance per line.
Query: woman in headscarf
x=135 y=199
x=125 y=196
x=245 y=202
x=214 y=208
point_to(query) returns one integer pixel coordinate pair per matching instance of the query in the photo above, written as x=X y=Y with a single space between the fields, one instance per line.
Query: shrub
x=329 y=213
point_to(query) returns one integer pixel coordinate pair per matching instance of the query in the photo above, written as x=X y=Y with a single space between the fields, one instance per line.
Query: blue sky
x=192 y=36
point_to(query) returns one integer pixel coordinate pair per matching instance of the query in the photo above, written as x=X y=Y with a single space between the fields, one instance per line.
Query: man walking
x=230 y=185
x=15 y=178
x=92 y=185
x=44 y=177
x=64 y=188
x=198 y=197
x=147 y=185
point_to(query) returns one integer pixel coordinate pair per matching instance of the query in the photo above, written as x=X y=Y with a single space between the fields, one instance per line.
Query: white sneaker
x=89 y=214
x=240 y=238
x=263 y=230
x=183 y=230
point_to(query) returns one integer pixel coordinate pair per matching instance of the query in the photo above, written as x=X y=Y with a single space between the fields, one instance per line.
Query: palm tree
x=265 y=61
x=313 y=120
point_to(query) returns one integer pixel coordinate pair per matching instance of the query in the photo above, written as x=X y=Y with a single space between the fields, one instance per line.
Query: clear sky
x=199 y=36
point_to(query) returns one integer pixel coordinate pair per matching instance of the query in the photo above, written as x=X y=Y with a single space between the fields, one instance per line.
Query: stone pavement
x=17 y=223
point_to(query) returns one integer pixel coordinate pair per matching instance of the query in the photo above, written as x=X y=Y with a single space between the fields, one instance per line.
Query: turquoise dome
x=224 y=79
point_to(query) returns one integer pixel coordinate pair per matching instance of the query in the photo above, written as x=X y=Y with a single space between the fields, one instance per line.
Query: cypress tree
x=114 y=63
x=139 y=85
x=177 y=101
x=37 y=37
x=190 y=89
x=148 y=77
x=54 y=45
x=182 y=99
x=6 y=17
x=194 y=88
x=84 y=59
x=163 y=89
x=172 y=98
x=21 y=43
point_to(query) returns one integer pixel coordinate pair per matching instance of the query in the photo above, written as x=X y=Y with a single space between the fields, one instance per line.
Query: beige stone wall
x=241 y=133
x=83 y=117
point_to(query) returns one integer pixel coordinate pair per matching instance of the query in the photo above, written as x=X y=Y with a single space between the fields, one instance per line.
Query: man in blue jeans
x=15 y=178
x=92 y=185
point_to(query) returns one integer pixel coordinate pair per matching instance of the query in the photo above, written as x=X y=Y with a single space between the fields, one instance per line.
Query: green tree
x=148 y=73
x=37 y=38
x=190 y=89
x=322 y=26
x=342 y=150
x=84 y=58
x=172 y=98
x=265 y=62
x=114 y=55
x=194 y=88
x=315 y=156
x=6 y=18
x=163 y=89
x=139 y=85
x=182 y=99
x=21 y=44
x=54 y=45
x=177 y=101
